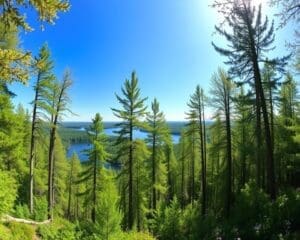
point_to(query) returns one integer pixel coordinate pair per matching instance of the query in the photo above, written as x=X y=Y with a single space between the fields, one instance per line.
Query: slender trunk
x=170 y=185
x=138 y=213
x=94 y=188
x=50 y=171
x=130 y=180
x=203 y=161
x=32 y=145
x=229 y=157
x=70 y=190
x=193 y=169
x=182 y=175
x=243 y=157
x=258 y=141
x=154 y=172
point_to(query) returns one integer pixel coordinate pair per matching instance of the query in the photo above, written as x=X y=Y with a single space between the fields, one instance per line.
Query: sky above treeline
x=168 y=44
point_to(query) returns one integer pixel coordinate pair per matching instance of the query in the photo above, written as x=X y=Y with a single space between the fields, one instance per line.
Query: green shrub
x=40 y=208
x=8 y=192
x=22 y=211
x=5 y=233
x=250 y=216
x=133 y=236
x=21 y=231
x=168 y=222
x=59 y=229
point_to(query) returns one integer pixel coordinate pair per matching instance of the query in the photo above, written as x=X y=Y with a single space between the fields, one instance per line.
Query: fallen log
x=7 y=218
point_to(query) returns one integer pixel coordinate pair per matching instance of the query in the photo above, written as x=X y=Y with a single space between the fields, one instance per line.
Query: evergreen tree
x=97 y=157
x=196 y=105
x=44 y=67
x=249 y=41
x=157 y=132
x=73 y=178
x=131 y=114
x=57 y=106
x=222 y=89
x=108 y=215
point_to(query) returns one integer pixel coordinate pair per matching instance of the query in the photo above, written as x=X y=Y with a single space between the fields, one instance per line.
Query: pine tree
x=57 y=106
x=73 y=178
x=44 y=67
x=191 y=132
x=249 y=41
x=157 y=132
x=131 y=114
x=97 y=157
x=222 y=89
x=108 y=215
x=196 y=104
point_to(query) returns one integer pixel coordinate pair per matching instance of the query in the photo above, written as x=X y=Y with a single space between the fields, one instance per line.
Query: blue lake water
x=79 y=148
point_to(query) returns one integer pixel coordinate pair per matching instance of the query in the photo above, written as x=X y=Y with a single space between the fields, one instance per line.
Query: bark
x=130 y=180
x=154 y=172
x=229 y=157
x=32 y=145
x=70 y=190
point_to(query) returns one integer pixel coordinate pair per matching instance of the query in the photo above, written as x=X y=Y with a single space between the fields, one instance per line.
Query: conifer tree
x=196 y=104
x=97 y=157
x=221 y=91
x=73 y=178
x=44 y=67
x=132 y=112
x=157 y=132
x=249 y=40
x=57 y=106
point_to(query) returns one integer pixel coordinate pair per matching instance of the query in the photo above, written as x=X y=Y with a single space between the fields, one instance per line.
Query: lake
x=78 y=148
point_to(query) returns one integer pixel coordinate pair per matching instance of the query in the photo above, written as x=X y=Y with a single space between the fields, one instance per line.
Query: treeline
x=236 y=178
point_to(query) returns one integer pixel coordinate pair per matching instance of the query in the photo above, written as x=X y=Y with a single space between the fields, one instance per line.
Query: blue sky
x=167 y=42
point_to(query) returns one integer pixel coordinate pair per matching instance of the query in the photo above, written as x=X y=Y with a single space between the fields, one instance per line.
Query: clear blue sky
x=167 y=42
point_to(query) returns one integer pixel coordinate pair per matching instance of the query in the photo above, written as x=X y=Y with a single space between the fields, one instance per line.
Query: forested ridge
x=237 y=177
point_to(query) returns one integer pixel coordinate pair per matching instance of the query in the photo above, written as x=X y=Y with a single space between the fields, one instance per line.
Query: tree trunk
x=229 y=157
x=70 y=191
x=32 y=145
x=130 y=180
x=154 y=172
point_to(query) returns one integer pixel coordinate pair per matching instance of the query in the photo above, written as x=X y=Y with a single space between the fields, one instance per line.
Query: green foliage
x=134 y=236
x=59 y=229
x=168 y=222
x=5 y=233
x=40 y=209
x=21 y=231
x=108 y=215
x=22 y=211
x=251 y=211
x=8 y=192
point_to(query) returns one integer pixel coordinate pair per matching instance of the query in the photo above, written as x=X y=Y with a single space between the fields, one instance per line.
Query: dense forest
x=235 y=178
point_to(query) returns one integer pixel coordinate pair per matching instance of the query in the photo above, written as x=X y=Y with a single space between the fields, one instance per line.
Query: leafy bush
x=5 y=233
x=60 y=229
x=40 y=208
x=22 y=211
x=21 y=231
x=168 y=222
x=250 y=215
x=8 y=192
x=285 y=213
x=133 y=236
